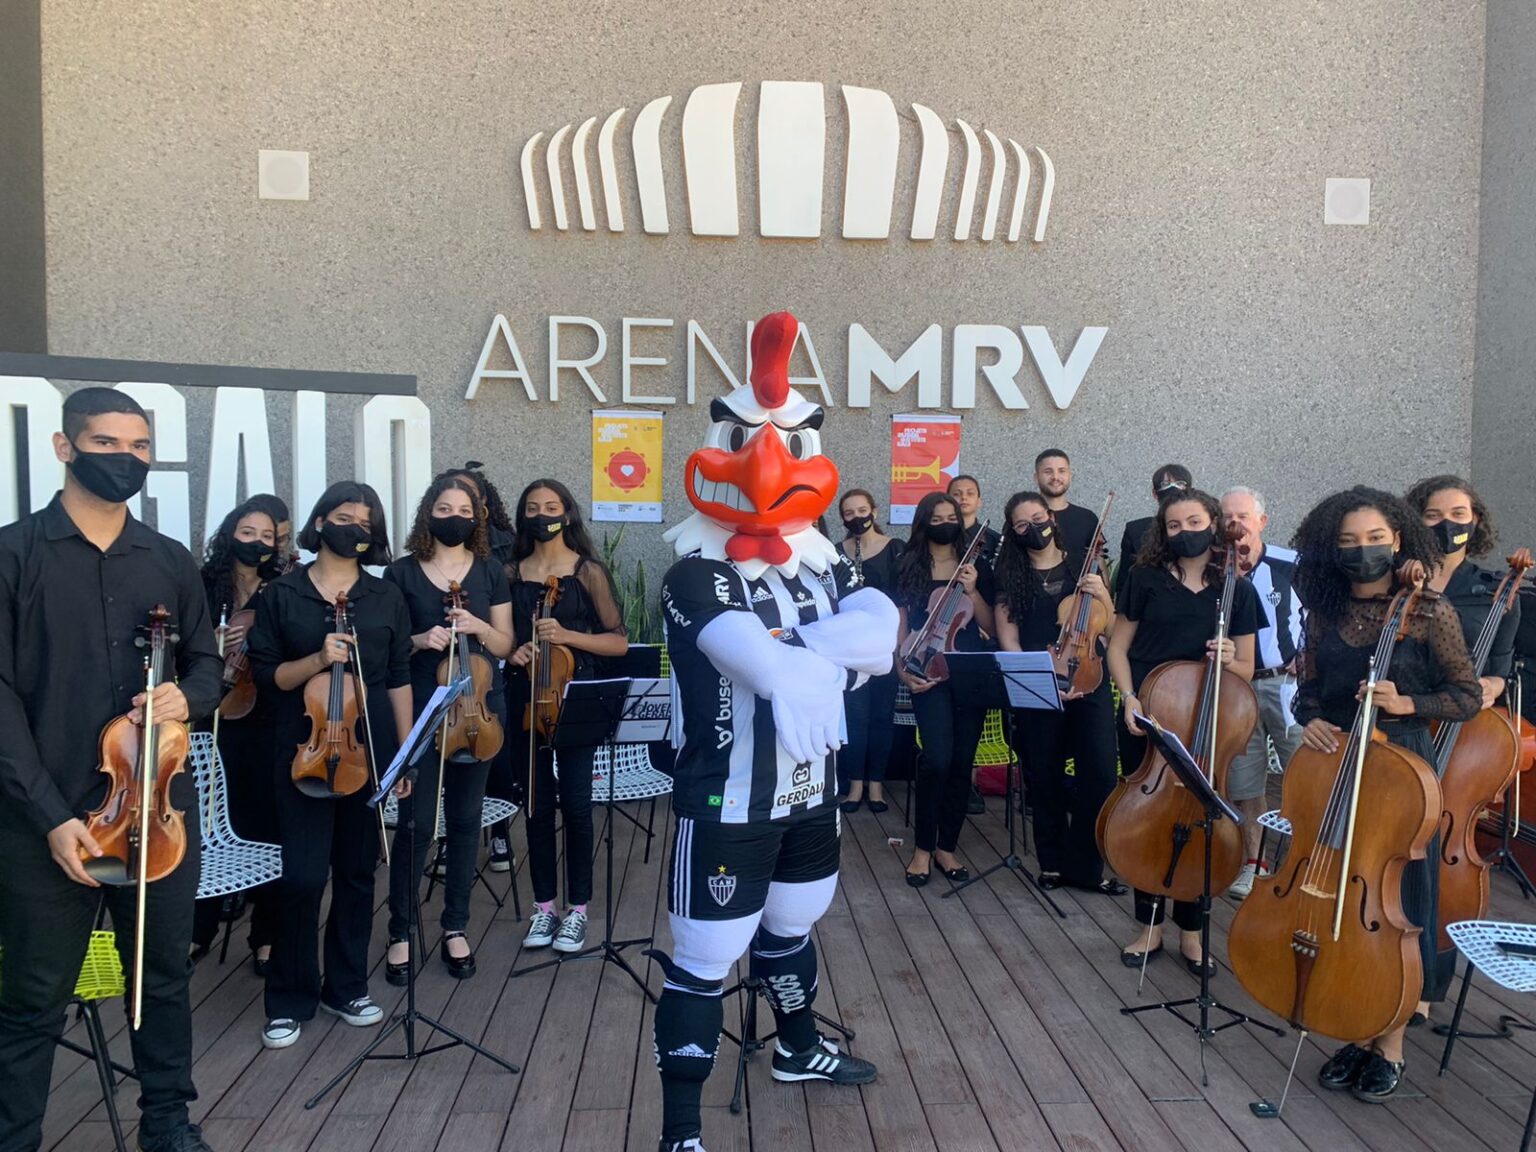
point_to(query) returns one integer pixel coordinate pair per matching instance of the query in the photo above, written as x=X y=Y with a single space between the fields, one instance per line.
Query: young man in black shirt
x=1075 y=525
x=966 y=491
x=1166 y=481
x=77 y=580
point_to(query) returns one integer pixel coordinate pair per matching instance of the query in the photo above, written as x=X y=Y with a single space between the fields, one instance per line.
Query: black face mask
x=858 y=525
x=1366 y=563
x=251 y=553
x=545 y=527
x=451 y=530
x=1452 y=536
x=944 y=533
x=111 y=476
x=1187 y=545
x=1036 y=537
x=349 y=541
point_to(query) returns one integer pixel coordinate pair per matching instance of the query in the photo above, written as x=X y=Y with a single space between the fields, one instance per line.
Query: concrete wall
x=1191 y=142
x=1502 y=465
x=23 y=265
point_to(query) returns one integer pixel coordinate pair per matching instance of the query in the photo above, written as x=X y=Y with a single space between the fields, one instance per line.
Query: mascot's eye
x=736 y=437
x=801 y=445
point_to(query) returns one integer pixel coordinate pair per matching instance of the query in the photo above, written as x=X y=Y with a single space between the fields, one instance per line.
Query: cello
x=553 y=667
x=949 y=611
x=1325 y=942
x=331 y=762
x=1476 y=760
x=141 y=836
x=1076 y=655
x=1148 y=830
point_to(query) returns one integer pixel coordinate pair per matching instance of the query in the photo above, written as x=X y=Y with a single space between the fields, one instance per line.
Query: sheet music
x=647 y=711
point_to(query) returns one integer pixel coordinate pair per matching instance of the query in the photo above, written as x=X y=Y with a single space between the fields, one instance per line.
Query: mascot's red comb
x=773 y=339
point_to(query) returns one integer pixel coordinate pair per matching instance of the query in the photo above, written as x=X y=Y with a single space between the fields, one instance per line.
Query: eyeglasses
x=1173 y=486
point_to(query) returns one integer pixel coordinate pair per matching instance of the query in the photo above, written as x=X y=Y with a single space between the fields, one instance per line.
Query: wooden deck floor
x=995 y=1025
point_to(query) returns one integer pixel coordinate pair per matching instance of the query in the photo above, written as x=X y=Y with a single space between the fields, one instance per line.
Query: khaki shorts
x=1248 y=776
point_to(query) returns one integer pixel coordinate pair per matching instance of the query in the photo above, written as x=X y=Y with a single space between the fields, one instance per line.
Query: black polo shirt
x=1075 y=526
x=292 y=622
x=68 y=661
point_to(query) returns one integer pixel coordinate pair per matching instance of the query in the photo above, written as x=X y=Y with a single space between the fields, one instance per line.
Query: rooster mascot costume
x=766 y=626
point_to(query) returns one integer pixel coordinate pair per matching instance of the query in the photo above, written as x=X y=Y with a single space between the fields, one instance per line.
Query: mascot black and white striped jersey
x=731 y=766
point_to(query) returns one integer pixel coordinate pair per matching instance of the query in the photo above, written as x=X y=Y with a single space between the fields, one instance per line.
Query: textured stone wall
x=1191 y=142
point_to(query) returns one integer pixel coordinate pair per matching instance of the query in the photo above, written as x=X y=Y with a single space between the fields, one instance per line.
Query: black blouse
x=1047 y=588
x=1429 y=663
x=484 y=585
x=878 y=571
x=969 y=638
x=587 y=604
x=1174 y=623
x=293 y=620
x=1470 y=591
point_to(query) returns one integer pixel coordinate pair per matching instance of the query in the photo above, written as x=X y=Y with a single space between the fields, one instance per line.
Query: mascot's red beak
x=764 y=491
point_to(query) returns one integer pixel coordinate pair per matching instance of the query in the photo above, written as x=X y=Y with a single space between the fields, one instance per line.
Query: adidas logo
x=690 y=1050
x=761 y=595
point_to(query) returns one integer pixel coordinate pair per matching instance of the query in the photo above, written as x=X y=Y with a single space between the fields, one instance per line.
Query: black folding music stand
x=590 y=717
x=1007 y=680
x=420 y=738
x=1213 y=808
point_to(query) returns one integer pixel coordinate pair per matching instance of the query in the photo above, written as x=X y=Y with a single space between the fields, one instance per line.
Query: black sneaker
x=689 y=1145
x=975 y=806
x=822 y=1061
x=1379 y=1079
x=187 y=1138
x=501 y=854
x=1343 y=1068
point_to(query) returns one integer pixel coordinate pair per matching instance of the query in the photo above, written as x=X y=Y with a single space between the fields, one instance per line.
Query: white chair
x=492 y=811
x=1506 y=954
x=229 y=864
x=1272 y=821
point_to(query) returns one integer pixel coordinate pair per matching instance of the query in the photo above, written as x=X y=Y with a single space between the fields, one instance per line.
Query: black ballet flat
x=397 y=974
x=1199 y=968
x=1379 y=1079
x=878 y=806
x=1109 y=887
x=1133 y=959
x=1050 y=881
x=918 y=879
x=460 y=968
x=956 y=875
x=1340 y=1071
x=1418 y=1020
x=852 y=805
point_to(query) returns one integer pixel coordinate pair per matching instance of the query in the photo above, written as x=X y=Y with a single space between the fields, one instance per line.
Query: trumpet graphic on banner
x=912 y=473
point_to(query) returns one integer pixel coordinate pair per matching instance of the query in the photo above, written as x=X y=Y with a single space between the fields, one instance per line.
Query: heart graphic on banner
x=627 y=469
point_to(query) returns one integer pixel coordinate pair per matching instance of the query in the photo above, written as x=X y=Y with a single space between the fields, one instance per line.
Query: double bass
x=1325 y=942
x=331 y=762
x=553 y=667
x=1076 y=655
x=949 y=611
x=1148 y=830
x=1476 y=760
x=141 y=836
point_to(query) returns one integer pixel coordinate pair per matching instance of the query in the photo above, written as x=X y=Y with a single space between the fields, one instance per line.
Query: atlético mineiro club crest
x=722 y=887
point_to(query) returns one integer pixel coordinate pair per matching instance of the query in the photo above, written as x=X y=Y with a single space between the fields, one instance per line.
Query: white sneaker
x=572 y=936
x=1242 y=887
x=541 y=929
x=279 y=1033
x=360 y=1013
x=501 y=854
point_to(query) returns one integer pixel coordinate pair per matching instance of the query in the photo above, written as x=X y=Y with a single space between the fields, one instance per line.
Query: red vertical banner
x=925 y=457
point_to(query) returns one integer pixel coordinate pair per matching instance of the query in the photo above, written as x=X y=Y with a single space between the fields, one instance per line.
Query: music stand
x=1503 y=858
x=591 y=715
x=421 y=736
x=1213 y=808
x=1026 y=680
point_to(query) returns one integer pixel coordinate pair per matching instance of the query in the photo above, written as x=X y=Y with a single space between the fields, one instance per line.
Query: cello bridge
x=1304 y=944
x=1314 y=890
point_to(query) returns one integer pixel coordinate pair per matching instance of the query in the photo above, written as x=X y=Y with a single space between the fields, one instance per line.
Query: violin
x=1325 y=942
x=141 y=836
x=1148 y=828
x=1077 y=654
x=1476 y=762
x=239 y=687
x=949 y=611
x=471 y=727
x=553 y=667
x=331 y=762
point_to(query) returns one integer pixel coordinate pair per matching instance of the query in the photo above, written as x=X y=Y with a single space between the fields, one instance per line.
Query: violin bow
x=214 y=775
x=442 y=738
x=360 y=690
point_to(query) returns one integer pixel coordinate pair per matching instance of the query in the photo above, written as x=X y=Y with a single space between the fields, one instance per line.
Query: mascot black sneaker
x=822 y=1061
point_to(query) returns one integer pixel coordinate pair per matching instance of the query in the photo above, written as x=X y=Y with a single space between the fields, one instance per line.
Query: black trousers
x=573 y=797
x=871 y=712
x=1149 y=907
x=335 y=839
x=463 y=794
x=245 y=749
x=45 y=924
x=1066 y=808
x=950 y=729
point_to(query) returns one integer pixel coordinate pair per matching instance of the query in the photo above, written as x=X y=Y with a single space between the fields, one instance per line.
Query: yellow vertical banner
x=626 y=465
